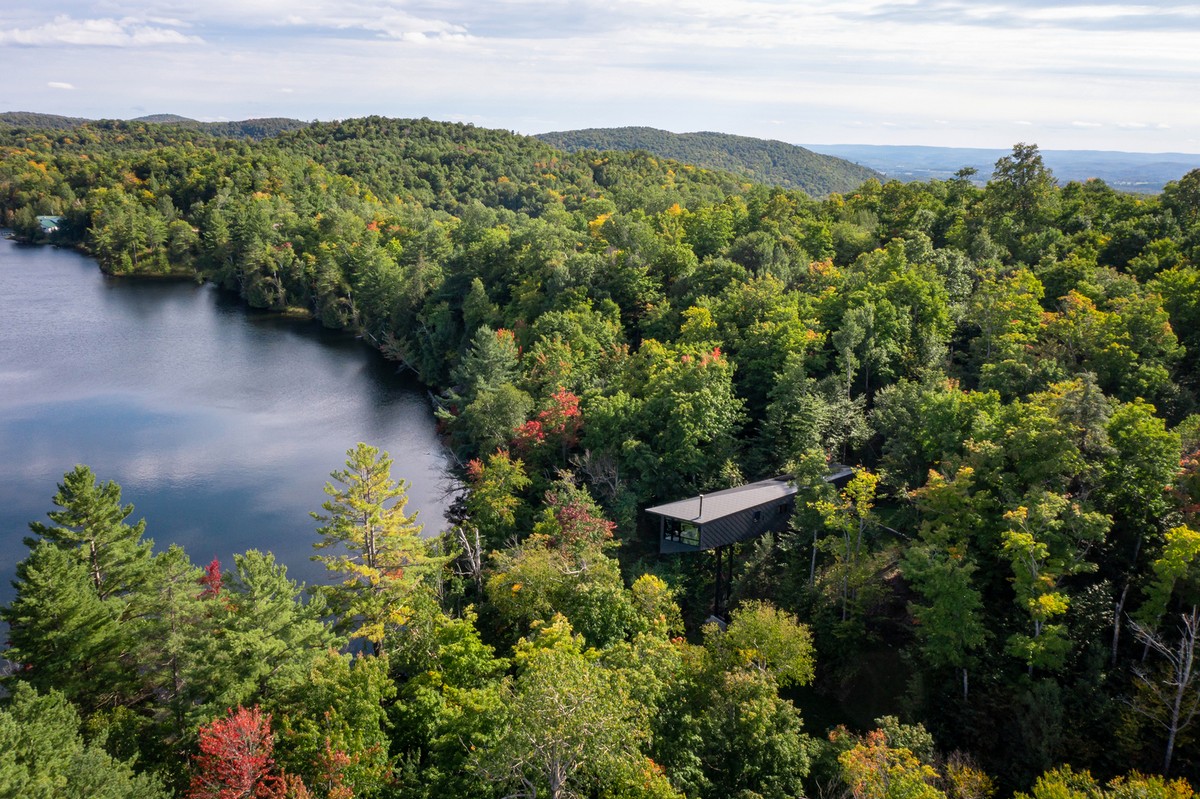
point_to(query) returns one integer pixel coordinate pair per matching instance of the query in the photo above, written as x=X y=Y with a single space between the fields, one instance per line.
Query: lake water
x=221 y=424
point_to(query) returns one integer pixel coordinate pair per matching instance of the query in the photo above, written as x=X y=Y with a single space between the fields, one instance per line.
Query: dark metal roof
x=720 y=504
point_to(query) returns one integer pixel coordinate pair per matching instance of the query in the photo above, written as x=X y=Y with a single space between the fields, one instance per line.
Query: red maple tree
x=235 y=760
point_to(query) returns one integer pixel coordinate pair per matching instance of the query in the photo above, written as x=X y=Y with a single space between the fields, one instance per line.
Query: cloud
x=1077 y=123
x=1097 y=15
x=54 y=84
x=127 y=32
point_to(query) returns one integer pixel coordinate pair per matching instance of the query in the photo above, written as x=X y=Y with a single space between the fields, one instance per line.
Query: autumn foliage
x=235 y=760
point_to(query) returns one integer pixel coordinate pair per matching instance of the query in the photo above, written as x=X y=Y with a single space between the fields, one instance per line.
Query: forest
x=772 y=162
x=1004 y=600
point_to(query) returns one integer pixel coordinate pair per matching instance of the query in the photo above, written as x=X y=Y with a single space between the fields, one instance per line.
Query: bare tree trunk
x=1175 y=699
x=472 y=554
x=1118 y=611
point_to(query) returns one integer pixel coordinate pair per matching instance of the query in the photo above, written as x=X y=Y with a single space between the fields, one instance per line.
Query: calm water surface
x=220 y=424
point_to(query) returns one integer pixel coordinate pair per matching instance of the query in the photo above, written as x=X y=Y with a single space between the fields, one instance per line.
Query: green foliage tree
x=44 y=756
x=333 y=726
x=380 y=555
x=571 y=725
x=258 y=636
x=65 y=636
x=90 y=523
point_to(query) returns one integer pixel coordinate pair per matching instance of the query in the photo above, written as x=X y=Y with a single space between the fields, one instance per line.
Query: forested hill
x=761 y=160
x=247 y=128
x=445 y=165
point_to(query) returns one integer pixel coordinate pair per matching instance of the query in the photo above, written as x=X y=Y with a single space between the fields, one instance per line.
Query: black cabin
x=711 y=521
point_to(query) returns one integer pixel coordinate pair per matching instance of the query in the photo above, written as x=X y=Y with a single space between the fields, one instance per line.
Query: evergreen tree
x=43 y=755
x=379 y=553
x=91 y=522
x=63 y=634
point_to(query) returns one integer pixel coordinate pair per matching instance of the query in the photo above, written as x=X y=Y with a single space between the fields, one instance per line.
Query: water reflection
x=221 y=425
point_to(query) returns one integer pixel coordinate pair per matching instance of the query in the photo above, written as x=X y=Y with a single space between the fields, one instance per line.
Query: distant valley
x=1138 y=172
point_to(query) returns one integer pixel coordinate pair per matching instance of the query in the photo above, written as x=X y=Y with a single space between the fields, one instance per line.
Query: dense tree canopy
x=1010 y=370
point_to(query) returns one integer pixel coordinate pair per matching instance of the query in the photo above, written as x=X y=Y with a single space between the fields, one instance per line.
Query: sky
x=1102 y=74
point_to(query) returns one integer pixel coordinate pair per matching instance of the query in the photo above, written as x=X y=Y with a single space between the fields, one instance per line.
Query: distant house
x=49 y=224
x=712 y=521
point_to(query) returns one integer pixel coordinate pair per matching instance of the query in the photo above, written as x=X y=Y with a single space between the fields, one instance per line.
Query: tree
x=1170 y=698
x=43 y=755
x=874 y=769
x=235 y=759
x=63 y=634
x=489 y=510
x=381 y=557
x=849 y=575
x=1067 y=783
x=1021 y=192
x=1045 y=542
x=689 y=418
x=949 y=620
x=571 y=725
x=91 y=523
x=763 y=638
x=257 y=635
x=333 y=725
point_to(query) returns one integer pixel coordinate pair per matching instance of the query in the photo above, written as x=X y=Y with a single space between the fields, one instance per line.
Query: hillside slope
x=760 y=160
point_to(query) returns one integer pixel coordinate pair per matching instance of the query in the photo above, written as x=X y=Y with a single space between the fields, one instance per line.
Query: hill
x=165 y=119
x=760 y=160
x=30 y=119
x=247 y=128
x=1138 y=172
x=446 y=165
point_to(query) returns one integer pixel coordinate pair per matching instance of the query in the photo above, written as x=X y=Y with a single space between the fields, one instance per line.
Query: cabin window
x=682 y=532
x=783 y=509
x=758 y=515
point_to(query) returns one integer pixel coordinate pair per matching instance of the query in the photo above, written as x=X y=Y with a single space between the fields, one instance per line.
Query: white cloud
x=1077 y=123
x=54 y=84
x=127 y=32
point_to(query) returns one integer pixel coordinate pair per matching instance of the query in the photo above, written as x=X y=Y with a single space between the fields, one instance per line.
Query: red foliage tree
x=211 y=581
x=560 y=421
x=581 y=525
x=235 y=760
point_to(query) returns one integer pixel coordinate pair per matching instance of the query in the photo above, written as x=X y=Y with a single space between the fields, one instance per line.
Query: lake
x=220 y=423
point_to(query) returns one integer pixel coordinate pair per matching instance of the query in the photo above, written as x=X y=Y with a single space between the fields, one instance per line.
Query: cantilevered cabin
x=711 y=521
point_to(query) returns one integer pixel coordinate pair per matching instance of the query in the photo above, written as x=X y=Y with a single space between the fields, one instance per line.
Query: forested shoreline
x=1016 y=561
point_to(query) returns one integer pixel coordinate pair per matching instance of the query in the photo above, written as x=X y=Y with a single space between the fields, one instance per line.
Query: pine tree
x=62 y=634
x=380 y=554
x=91 y=522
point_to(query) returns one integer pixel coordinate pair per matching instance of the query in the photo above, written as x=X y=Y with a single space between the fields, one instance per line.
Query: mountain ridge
x=760 y=160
